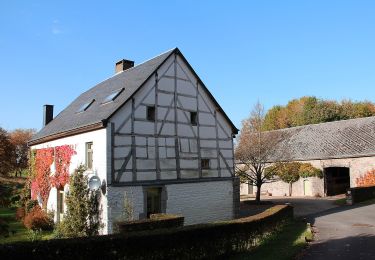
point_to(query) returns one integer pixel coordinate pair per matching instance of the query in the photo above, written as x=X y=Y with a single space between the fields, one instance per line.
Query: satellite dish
x=94 y=182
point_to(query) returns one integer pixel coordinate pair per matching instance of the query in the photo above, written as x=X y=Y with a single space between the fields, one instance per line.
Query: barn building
x=154 y=133
x=343 y=150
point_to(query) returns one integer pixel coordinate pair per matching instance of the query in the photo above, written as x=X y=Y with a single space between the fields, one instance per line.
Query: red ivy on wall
x=366 y=180
x=43 y=161
x=63 y=154
x=42 y=182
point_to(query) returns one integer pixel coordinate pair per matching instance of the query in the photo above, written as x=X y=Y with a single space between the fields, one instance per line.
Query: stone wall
x=357 y=166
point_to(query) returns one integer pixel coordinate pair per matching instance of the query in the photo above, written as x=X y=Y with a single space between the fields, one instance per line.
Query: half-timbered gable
x=187 y=137
x=162 y=141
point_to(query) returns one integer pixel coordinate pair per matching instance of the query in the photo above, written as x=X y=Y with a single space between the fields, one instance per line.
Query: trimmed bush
x=212 y=240
x=358 y=194
x=156 y=221
x=4 y=228
x=38 y=219
x=20 y=214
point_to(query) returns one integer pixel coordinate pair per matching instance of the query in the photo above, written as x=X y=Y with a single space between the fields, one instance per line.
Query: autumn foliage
x=63 y=154
x=41 y=178
x=366 y=180
x=41 y=184
x=38 y=219
x=311 y=110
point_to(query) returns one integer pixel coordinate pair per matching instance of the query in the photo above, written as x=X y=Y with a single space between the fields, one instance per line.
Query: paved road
x=345 y=232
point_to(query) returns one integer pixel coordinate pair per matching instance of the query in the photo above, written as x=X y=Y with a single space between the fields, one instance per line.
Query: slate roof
x=69 y=121
x=339 y=139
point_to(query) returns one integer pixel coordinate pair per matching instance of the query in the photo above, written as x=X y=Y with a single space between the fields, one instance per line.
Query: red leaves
x=63 y=155
x=366 y=180
x=44 y=158
x=43 y=161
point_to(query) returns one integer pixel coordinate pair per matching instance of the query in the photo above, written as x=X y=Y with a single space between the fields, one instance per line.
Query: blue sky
x=244 y=51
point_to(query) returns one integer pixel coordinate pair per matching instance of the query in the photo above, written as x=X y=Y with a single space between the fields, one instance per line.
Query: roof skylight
x=85 y=106
x=113 y=96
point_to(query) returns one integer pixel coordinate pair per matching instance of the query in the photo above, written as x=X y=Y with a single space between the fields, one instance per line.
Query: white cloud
x=56 y=29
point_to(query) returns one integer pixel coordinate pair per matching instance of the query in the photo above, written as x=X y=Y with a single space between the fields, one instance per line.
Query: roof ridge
x=322 y=123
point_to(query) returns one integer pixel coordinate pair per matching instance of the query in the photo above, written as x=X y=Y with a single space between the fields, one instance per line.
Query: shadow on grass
x=283 y=245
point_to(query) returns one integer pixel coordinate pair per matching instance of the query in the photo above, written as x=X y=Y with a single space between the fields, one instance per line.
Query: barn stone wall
x=358 y=167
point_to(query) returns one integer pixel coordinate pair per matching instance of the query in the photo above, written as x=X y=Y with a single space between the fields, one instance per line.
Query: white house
x=155 y=133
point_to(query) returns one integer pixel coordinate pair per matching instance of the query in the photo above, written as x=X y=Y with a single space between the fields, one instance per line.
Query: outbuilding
x=343 y=150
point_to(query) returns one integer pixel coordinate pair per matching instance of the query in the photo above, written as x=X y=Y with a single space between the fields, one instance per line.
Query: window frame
x=151 y=113
x=205 y=164
x=87 y=151
x=193 y=118
x=85 y=106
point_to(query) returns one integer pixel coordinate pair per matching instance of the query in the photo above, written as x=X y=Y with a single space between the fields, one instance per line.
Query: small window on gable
x=111 y=97
x=150 y=113
x=85 y=106
x=193 y=118
x=205 y=164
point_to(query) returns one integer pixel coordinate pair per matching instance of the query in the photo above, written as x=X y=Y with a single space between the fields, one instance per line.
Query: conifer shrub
x=82 y=215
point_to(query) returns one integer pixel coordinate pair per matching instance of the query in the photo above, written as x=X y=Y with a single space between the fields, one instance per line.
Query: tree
x=311 y=110
x=19 y=139
x=255 y=150
x=288 y=172
x=307 y=170
x=7 y=153
x=82 y=216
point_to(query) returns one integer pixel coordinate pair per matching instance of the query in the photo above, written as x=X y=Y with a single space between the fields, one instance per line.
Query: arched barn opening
x=336 y=180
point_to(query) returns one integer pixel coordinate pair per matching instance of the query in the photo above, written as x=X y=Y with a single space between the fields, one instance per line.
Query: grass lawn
x=342 y=202
x=368 y=202
x=284 y=245
x=17 y=231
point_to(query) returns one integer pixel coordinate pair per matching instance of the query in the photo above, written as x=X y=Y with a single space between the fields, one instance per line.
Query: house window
x=151 y=113
x=193 y=118
x=205 y=164
x=89 y=155
x=153 y=201
x=60 y=204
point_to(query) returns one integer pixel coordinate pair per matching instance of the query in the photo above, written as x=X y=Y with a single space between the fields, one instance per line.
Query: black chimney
x=47 y=114
x=123 y=65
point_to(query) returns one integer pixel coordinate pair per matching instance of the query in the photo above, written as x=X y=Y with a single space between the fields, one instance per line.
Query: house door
x=153 y=201
x=307 y=188
x=337 y=180
x=60 y=204
x=250 y=188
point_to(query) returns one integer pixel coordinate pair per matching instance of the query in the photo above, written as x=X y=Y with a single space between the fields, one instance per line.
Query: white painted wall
x=201 y=202
x=198 y=202
x=79 y=141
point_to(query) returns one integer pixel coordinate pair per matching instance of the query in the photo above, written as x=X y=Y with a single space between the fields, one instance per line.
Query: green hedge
x=156 y=221
x=190 y=242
